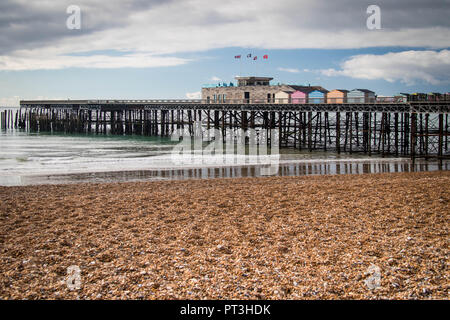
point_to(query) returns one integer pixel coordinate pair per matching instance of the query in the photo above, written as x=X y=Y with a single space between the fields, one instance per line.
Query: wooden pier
x=409 y=129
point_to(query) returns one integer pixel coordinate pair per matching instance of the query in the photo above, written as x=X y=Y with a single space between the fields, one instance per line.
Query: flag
x=255 y=57
x=237 y=57
x=249 y=55
x=265 y=56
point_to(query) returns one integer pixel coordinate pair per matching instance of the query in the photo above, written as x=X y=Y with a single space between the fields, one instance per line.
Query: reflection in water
x=59 y=158
x=297 y=169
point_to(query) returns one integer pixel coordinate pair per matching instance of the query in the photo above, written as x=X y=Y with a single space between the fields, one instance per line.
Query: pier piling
x=403 y=129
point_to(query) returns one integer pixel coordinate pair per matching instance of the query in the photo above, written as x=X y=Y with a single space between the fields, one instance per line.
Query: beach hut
x=401 y=97
x=316 y=96
x=434 y=96
x=337 y=96
x=418 y=96
x=385 y=99
x=360 y=96
x=299 y=96
x=407 y=95
x=283 y=96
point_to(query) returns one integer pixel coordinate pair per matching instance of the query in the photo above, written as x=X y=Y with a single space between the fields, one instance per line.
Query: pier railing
x=305 y=105
x=386 y=127
x=352 y=100
x=225 y=101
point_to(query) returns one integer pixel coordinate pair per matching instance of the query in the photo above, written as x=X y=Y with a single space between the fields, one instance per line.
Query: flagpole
x=240 y=63
x=265 y=65
x=240 y=66
x=265 y=57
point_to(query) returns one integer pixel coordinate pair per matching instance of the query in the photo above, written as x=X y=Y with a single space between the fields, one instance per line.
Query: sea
x=56 y=158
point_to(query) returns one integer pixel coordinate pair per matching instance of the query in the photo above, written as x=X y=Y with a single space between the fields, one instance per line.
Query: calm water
x=56 y=158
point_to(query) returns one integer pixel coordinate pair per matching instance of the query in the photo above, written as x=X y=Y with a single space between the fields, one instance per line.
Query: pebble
x=224 y=251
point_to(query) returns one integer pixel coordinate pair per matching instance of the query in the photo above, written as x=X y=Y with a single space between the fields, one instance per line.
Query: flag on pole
x=265 y=56
x=255 y=57
x=249 y=55
x=237 y=57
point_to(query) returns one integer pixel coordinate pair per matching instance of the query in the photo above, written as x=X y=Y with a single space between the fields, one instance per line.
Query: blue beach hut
x=316 y=96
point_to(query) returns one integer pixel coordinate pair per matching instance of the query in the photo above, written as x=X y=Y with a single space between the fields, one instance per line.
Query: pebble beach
x=368 y=236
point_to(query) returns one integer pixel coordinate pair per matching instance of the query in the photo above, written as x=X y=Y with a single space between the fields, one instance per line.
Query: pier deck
x=240 y=105
x=413 y=129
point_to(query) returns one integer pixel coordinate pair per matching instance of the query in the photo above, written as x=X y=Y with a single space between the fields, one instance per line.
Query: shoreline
x=311 y=237
x=286 y=168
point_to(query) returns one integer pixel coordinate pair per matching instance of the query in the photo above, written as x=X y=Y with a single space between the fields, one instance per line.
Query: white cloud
x=407 y=66
x=291 y=70
x=154 y=31
x=38 y=60
x=194 y=95
x=214 y=78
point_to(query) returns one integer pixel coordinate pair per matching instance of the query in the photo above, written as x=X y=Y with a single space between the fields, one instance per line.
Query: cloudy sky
x=169 y=48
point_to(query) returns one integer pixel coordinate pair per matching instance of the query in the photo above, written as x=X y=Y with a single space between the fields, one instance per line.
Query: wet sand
x=295 y=168
x=311 y=237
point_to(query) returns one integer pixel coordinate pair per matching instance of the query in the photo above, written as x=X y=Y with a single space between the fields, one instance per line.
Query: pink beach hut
x=299 y=96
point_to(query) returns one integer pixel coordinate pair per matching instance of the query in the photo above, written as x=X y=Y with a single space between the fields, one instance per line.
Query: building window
x=224 y=97
x=247 y=97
